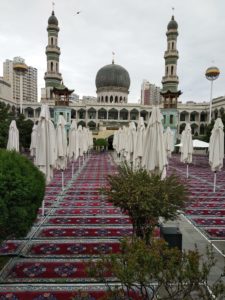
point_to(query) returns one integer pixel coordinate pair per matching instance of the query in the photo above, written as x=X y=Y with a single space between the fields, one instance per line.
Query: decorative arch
x=92 y=125
x=113 y=114
x=91 y=113
x=134 y=114
x=182 y=126
x=124 y=114
x=102 y=114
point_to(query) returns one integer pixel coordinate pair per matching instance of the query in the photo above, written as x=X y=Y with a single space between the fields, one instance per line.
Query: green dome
x=52 y=19
x=172 y=24
x=112 y=76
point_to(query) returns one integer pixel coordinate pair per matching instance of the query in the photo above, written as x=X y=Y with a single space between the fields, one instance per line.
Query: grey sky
x=134 y=30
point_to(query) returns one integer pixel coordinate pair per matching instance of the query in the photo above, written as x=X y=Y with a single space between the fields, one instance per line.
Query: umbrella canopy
x=80 y=140
x=154 y=154
x=116 y=141
x=130 y=141
x=73 y=150
x=61 y=144
x=216 y=146
x=33 y=143
x=13 y=139
x=169 y=141
x=139 y=144
x=186 y=145
x=46 y=148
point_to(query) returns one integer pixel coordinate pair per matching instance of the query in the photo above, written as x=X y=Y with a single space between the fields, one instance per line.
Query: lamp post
x=20 y=68
x=212 y=73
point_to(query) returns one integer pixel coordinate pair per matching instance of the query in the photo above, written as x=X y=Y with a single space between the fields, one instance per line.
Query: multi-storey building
x=28 y=84
x=150 y=93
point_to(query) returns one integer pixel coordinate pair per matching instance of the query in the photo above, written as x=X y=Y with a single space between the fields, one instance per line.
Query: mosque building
x=111 y=109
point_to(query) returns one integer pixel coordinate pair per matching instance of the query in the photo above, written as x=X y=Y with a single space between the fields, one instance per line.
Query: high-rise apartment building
x=150 y=93
x=13 y=70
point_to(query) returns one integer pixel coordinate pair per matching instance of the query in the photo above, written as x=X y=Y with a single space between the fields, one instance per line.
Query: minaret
x=170 y=81
x=52 y=77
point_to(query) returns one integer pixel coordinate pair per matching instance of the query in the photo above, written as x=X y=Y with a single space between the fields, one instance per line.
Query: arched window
x=106 y=99
x=102 y=98
x=52 y=41
x=172 y=70
x=111 y=99
x=167 y=70
x=121 y=99
x=116 y=99
x=51 y=66
x=172 y=45
x=56 y=67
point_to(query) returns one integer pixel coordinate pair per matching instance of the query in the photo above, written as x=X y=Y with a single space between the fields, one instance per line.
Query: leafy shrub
x=22 y=188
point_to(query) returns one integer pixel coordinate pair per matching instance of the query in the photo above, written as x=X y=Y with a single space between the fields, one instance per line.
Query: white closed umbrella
x=154 y=154
x=139 y=145
x=73 y=150
x=13 y=138
x=130 y=142
x=216 y=148
x=61 y=146
x=169 y=141
x=33 y=144
x=116 y=141
x=186 y=146
x=46 y=148
x=80 y=143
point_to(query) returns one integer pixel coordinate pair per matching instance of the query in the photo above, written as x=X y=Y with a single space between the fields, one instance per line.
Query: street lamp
x=20 y=68
x=212 y=73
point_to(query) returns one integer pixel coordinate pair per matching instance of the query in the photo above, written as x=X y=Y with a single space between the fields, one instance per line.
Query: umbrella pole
x=43 y=208
x=214 y=185
x=62 y=180
x=72 y=168
x=187 y=171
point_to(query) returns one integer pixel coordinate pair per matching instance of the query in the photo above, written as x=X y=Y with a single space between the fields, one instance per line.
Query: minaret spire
x=113 y=58
x=170 y=81
x=52 y=77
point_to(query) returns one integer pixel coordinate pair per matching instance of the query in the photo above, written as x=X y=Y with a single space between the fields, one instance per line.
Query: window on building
x=172 y=45
x=171 y=119
x=52 y=41
x=172 y=70
x=164 y=119
x=51 y=66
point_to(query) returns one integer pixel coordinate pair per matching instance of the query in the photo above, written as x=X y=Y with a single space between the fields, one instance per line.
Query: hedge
x=22 y=188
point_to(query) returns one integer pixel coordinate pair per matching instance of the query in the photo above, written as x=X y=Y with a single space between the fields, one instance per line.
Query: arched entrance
x=110 y=142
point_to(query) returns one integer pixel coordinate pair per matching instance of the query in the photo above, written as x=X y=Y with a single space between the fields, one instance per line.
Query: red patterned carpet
x=79 y=224
x=206 y=209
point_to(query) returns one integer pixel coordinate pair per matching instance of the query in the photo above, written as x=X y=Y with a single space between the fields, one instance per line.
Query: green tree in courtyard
x=22 y=188
x=155 y=270
x=24 y=126
x=145 y=198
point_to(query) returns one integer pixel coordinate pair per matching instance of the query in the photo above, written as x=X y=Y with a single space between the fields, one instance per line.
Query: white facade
x=29 y=82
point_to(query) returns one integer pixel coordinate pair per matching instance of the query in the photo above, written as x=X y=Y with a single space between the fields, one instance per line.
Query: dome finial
x=53 y=7
x=113 y=58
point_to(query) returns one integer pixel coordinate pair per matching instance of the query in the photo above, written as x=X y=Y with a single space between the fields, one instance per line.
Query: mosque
x=112 y=110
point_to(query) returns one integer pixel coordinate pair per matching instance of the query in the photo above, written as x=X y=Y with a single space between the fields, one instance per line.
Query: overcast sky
x=133 y=29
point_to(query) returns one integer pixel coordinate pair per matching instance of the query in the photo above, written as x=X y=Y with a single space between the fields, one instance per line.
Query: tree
x=22 y=188
x=155 y=270
x=100 y=143
x=6 y=116
x=24 y=126
x=145 y=198
x=25 y=129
